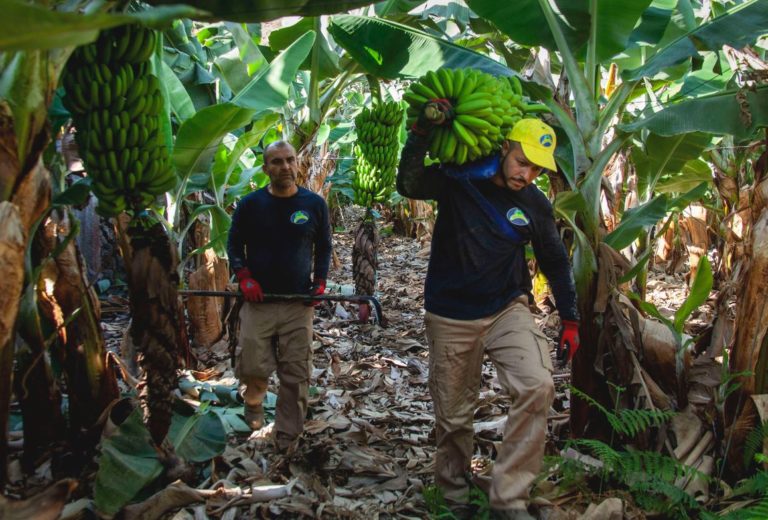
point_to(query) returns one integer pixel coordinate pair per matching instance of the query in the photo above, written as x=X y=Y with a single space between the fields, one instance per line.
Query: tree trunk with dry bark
x=25 y=193
x=75 y=309
x=750 y=349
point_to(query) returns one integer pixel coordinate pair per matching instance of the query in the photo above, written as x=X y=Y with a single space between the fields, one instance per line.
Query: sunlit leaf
x=719 y=114
x=700 y=289
x=740 y=26
x=269 y=88
x=635 y=220
x=392 y=50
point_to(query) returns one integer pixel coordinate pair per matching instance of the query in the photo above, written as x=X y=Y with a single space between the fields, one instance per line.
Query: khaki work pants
x=520 y=353
x=277 y=336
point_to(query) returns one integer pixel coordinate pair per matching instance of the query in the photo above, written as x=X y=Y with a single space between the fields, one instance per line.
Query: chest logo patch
x=517 y=217
x=299 y=217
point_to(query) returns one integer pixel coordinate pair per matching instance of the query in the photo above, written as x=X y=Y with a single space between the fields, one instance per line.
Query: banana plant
x=586 y=35
x=592 y=147
x=31 y=61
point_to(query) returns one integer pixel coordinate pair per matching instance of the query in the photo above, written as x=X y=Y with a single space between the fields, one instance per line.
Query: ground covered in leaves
x=368 y=445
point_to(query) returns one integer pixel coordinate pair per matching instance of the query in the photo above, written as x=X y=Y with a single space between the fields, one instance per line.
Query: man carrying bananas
x=477 y=301
x=278 y=234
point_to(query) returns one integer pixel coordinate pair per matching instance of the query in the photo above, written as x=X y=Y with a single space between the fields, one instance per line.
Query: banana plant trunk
x=316 y=163
x=750 y=350
x=155 y=329
x=75 y=310
x=365 y=260
x=25 y=193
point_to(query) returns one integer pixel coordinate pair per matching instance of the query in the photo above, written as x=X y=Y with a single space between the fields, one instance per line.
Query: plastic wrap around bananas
x=485 y=109
x=116 y=106
x=376 y=152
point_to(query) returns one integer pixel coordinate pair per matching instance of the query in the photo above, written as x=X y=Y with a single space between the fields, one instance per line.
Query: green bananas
x=116 y=106
x=485 y=109
x=376 y=152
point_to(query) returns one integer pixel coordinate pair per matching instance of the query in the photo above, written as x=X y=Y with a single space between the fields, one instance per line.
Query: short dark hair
x=277 y=144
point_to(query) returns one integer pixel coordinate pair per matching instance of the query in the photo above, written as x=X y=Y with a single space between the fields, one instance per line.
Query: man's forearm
x=411 y=179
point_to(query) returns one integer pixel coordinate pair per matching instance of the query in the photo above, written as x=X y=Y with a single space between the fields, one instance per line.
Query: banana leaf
x=653 y=23
x=221 y=176
x=524 y=22
x=741 y=25
x=266 y=10
x=719 y=114
x=396 y=7
x=328 y=64
x=198 y=139
x=128 y=462
x=646 y=215
x=700 y=289
x=26 y=26
x=392 y=50
x=692 y=174
x=181 y=103
x=635 y=220
x=270 y=86
x=569 y=205
x=664 y=155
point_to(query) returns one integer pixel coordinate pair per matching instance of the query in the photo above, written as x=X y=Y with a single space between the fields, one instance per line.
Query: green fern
x=436 y=505
x=601 y=451
x=570 y=473
x=664 y=497
x=756 y=485
x=439 y=510
x=628 y=422
x=757 y=512
x=479 y=500
x=753 y=444
x=649 y=476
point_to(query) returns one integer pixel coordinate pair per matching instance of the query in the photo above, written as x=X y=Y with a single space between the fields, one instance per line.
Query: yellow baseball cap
x=538 y=141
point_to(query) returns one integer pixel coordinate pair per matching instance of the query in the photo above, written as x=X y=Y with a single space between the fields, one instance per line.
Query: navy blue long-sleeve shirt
x=475 y=270
x=281 y=239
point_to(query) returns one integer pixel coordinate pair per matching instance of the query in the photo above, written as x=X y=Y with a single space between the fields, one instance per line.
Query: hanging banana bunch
x=376 y=152
x=116 y=105
x=485 y=109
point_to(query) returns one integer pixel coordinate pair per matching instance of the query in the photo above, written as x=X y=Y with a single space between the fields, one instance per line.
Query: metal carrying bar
x=268 y=298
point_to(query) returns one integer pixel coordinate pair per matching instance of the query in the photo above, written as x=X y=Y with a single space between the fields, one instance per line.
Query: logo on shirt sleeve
x=517 y=217
x=299 y=217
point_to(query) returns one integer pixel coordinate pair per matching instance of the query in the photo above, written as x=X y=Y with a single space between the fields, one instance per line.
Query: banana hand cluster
x=116 y=105
x=485 y=109
x=376 y=152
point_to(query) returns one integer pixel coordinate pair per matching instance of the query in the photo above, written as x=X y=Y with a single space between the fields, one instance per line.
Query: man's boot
x=254 y=416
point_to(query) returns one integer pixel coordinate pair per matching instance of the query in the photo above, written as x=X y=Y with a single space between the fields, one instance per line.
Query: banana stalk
x=155 y=327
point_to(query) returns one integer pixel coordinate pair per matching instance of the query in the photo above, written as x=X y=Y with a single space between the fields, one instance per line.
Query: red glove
x=318 y=288
x=436 y=112
x=568 y=343
x=248 y=286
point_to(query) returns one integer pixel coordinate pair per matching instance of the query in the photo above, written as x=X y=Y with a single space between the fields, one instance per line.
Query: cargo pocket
x=544 y=348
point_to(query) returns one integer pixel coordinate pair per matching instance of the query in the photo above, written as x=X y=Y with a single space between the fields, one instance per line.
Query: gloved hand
x=318 y=288
x=436 y=112
x=248 y=286
x=568 y=343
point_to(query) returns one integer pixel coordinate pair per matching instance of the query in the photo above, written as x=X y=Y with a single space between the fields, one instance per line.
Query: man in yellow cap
x=477 y=296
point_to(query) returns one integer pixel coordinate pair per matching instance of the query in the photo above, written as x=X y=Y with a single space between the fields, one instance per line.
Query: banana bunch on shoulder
x=484 y=109
x=376 y=152
x=117 y=105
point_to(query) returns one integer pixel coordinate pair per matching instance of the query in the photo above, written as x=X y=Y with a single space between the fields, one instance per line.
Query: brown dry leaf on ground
x=368 y=447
